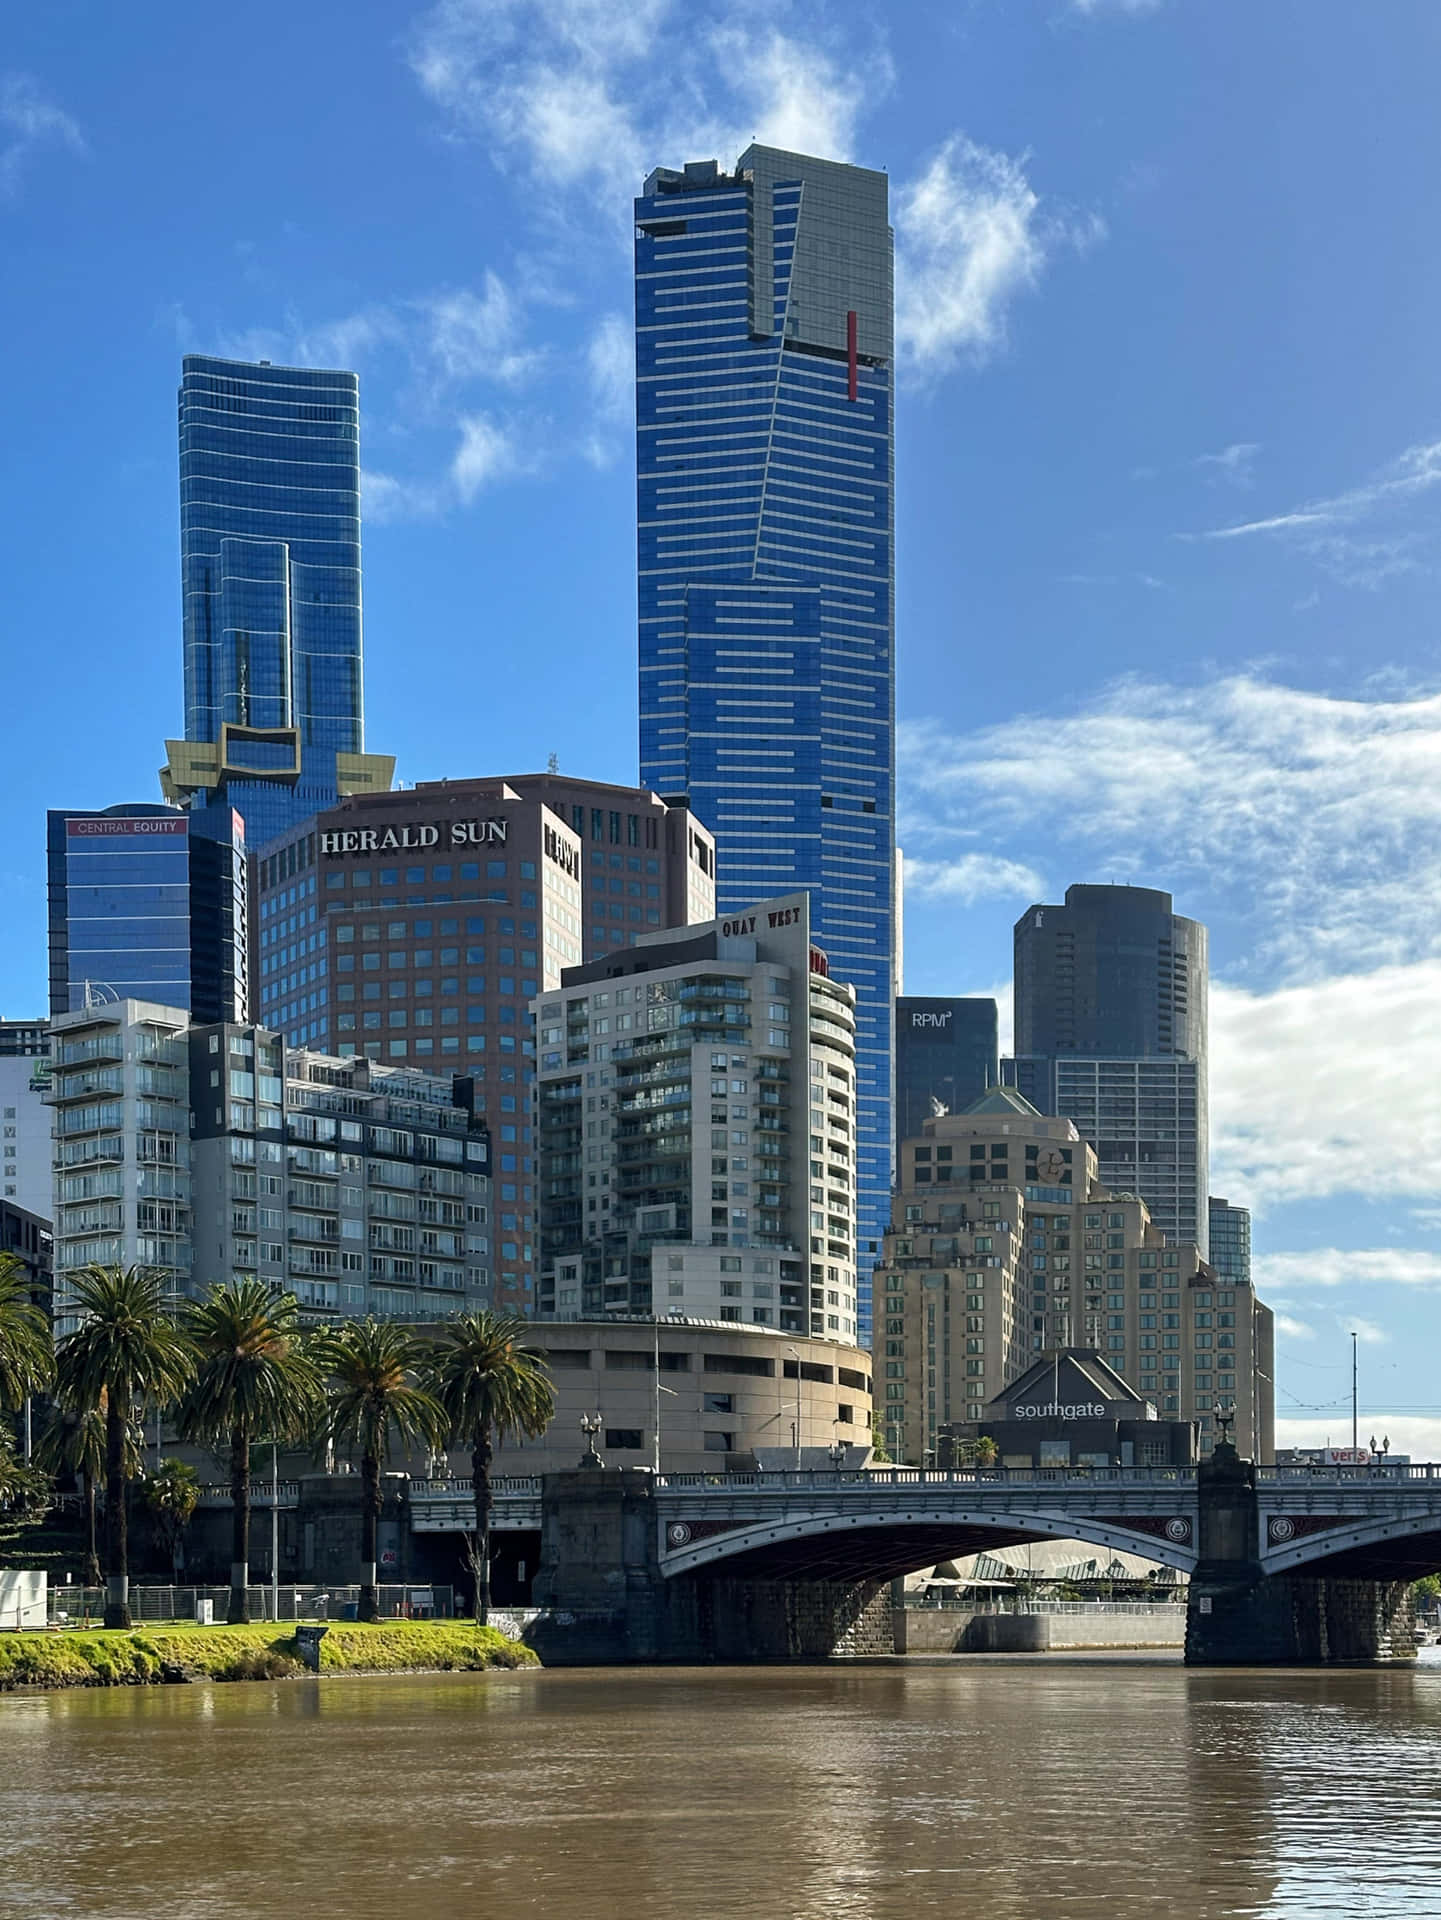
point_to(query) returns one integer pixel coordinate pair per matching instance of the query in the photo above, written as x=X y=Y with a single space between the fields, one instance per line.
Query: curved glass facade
x=270 y=551
x=766 y=560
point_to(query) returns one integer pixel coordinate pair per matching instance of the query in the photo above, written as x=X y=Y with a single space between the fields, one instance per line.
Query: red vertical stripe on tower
x=853 y=375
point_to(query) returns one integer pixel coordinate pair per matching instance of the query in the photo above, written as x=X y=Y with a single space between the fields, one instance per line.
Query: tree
x=489 y=1384
x=254 y=1377
x=126 y=1347
x=172 y=1494
x=23 y=1489
x=375 y=1397
x=74 y=1444
x=26 y=1358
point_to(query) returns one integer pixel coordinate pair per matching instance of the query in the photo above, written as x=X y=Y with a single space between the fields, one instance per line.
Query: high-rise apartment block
x=24 y=1116
x=148 y=903
x=216 y=1153
x=416 y=928
x=765 y=455
x=1230 y=1250
x=1005 y=1244
x=270 y=564
x=1111 y=1003
x=946 y=1057
x=697 y=1129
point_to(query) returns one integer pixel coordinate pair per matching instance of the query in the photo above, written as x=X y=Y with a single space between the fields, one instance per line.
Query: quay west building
x=215 y=1152
x=1004 y=1245
x=416 y=928
x=697 y=1114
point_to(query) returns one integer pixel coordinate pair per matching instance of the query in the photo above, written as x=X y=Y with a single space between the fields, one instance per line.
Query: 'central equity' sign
x=456 y=833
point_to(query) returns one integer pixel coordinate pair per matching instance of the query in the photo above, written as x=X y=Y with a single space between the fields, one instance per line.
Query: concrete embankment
x=158 y=1655
x=952 y=1630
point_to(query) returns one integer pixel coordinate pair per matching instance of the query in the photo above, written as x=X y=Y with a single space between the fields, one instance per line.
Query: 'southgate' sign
x=456 y=833
x=1061 y=1410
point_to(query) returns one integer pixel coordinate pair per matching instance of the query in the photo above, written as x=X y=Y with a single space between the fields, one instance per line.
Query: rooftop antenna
x=552 y=765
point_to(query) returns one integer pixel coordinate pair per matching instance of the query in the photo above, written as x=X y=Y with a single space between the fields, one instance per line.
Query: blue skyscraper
x=764 y=346
x=270 y=567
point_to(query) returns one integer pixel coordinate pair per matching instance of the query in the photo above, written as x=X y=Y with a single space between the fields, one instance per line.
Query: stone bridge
x=1285 y=1564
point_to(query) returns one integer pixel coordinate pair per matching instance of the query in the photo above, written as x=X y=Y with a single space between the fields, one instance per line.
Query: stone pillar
x=1239 y=1616
x=599 y=1578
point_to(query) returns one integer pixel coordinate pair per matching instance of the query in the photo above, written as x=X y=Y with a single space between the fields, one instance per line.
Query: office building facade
x=1005 y=1244
x=696 y=1108
x=148 y=903
x=1230 y=1249
x=1111 y=1031
x=270 y=564
x=765 y=456
x=947 y=1055
x=416 y=928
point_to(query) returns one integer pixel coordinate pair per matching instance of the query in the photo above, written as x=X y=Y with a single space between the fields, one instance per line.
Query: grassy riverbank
x=145 y=1656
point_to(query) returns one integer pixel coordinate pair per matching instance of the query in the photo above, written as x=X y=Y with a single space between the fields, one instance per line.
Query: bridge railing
x=827 y=1480
x=1309 y=1475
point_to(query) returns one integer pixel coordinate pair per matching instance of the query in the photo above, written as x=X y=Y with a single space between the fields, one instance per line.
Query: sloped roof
x=1004 y=1100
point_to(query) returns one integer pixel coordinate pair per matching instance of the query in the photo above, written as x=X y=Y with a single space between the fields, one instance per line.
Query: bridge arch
x=832 y=1544
x=1400 y=1548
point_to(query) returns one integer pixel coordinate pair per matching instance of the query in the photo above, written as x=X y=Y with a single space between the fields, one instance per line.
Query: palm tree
x=126 y=1347
x=26 y=1358
x=74 y=1444
x=172 y=1494
x=490 y=1385
x=375 y=1397
x=253 y=1377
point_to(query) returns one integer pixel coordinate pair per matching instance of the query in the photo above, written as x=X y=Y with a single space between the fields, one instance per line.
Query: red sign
x=819 y=963
x=126 y=828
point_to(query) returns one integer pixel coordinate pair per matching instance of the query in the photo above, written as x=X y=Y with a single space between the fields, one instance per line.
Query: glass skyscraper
x=147 y=903
x=764 y=349
x=270 y=566
x=947 y=1056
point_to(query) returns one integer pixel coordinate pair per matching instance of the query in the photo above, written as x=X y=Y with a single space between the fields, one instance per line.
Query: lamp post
x=797 y=1358
x=1355 y=1443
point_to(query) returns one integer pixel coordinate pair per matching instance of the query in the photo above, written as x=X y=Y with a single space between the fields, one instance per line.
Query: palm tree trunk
x=237 y=1614
x=369 y=1607
x=117 y=1544
x=480 y=1460
x=92 y=1558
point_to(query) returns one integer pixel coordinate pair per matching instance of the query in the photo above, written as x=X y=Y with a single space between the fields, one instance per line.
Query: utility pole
x=275 y=1532
x=1354 y=1441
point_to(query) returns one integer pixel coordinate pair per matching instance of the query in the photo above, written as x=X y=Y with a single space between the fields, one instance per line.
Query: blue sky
x=1168 y=471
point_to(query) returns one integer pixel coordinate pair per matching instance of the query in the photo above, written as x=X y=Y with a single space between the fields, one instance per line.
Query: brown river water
x=1007 y=1789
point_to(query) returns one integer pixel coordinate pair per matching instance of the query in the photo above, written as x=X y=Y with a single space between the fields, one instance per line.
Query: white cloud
x=28 y=122
x=1132 y=7
x=476 y=336
x=1348 y=1267
x=610 y=358
x=1291 y=1329
x=1235 y=463
x=1322 y=813
x=1366 y=1331
x=800 y=98
x=970 y=238
x=1325 y=529
x=971 y=877
x=1325 y=1088
x=385 y=499
x=486 y=453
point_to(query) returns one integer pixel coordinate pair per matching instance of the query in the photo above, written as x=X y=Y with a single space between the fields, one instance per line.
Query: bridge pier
x=605 y=1601
x=1239 y=1615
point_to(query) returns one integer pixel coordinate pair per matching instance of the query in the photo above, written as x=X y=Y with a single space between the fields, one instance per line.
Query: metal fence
x=78 y=1606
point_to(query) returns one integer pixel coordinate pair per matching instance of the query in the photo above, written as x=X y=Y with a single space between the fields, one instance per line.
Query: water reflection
x=1080 y=1789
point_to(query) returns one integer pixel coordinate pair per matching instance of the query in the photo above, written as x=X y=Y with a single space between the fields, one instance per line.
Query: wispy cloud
x=30 y=122
x=610 y=365
x=1234 y=464
x=971 y=238
x=487 y=453
x=1132 y=7
x=1292 y=1329
x=1361 y=536
x=1324 y=813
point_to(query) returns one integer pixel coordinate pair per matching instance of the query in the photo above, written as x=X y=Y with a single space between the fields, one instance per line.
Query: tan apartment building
x=1003 y=1245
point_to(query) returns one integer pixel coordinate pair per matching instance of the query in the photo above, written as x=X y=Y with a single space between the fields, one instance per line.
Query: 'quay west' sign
x=455 y=833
